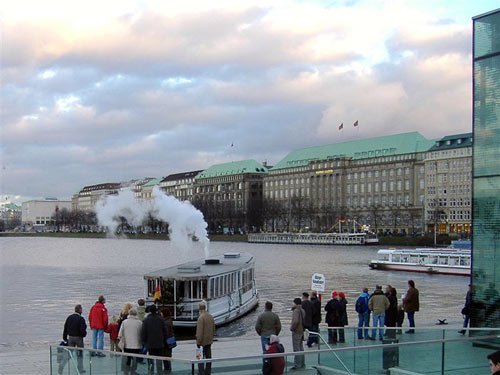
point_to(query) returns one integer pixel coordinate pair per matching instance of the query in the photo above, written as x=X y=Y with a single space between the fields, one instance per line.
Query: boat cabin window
x=247 y=280
x=396 y=257
x=222 y=285
x=385 y=257
x=443 y=260
x=414 y=259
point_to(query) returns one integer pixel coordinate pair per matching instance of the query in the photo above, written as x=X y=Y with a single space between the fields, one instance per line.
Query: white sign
x=318 y=282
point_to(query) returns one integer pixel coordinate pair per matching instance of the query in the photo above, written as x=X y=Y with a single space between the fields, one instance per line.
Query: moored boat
x=449 y=261
x=226 y=283
x=309 y=238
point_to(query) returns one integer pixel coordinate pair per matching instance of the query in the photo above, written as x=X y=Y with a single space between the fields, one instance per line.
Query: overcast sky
x=107 y=91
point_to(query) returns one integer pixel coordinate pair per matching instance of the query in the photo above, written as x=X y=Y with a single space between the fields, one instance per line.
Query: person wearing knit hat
x=333 y=309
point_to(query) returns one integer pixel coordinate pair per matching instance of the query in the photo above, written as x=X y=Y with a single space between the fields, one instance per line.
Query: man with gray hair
x=75 y=329
x=130 y=339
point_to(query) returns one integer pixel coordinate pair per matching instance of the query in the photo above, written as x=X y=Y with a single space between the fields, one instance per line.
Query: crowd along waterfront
x=43 y=278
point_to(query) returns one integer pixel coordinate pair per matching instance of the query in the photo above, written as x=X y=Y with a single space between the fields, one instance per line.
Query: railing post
x=442 y=352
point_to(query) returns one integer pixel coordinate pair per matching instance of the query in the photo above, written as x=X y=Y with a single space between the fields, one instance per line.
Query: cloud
x=126 y=89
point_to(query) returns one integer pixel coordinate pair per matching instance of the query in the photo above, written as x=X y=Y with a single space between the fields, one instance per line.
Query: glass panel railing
x=429 y=350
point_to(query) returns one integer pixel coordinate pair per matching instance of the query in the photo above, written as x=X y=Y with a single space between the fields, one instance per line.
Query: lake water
x=43 y=278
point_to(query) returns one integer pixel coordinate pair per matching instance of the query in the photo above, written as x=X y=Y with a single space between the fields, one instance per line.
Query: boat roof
x=427 y=251
x=204 y=268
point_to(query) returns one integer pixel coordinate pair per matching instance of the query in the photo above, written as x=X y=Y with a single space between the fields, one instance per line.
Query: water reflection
x=43 y=278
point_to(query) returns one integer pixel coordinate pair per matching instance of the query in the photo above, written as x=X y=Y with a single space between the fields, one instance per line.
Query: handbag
x=171 y=342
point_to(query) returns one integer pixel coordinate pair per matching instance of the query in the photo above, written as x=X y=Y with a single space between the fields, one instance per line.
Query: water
x=43 y=278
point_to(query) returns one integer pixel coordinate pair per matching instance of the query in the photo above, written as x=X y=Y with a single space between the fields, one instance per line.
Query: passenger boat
x=309 y=238
x=450 y=261
x=358 y=235
x=226 y=283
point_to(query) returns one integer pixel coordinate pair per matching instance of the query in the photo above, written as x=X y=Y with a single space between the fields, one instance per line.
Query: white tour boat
x=358 y=235
x=451 y=261
x=309 y=238
x=226 y=283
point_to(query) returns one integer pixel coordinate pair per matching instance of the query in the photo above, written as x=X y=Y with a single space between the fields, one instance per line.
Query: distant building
x=180 y=185
x=448 y=195
x=147 y=188
x=10 y=215
x=40 y=212
x=86 y=199
x=230 y=195
x=486 y=150
x=376 y=181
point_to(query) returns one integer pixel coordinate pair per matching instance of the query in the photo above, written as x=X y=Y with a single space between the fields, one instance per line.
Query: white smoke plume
x=184 y=220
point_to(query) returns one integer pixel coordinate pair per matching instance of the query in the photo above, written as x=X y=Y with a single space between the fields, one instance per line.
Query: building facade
x=86 y=199
x=486 y=180
x=38 y=213
x=448 y=193
x=378 y=182
x=10 y=216
x=230 y=196
x=147 y=188
x=180 y=185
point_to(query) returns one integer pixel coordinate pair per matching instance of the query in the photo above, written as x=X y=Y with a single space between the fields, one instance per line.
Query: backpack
x=361 y=305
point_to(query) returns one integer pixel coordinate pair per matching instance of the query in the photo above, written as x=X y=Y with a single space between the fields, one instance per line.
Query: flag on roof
x=356 y=123
x=341 y=126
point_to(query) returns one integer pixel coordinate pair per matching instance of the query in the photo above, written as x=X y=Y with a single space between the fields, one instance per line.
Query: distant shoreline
x=150 y=236
x=423 y=241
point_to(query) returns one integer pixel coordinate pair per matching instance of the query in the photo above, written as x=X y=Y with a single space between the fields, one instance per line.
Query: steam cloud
x=184 y=220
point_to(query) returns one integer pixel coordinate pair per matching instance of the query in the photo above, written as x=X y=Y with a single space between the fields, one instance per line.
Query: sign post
x=318 y=282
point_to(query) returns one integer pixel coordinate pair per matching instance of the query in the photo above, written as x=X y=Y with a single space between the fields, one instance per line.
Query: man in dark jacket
x=333 y=312
x=411 y=304
x=307 y=307
x=316 y=318
x=154 y=335
x=75 y=329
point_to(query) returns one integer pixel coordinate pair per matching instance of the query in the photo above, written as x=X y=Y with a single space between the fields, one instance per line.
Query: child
x=113 y=329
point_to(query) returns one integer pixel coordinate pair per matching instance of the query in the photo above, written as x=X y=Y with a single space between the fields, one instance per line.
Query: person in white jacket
x=130 y=340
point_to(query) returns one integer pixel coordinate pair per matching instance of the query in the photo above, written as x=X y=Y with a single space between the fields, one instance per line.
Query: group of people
x=137 y=330
x=306 y=317
x=385 y=311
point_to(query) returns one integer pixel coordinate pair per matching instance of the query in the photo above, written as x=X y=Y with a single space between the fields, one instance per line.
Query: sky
x=109 y=91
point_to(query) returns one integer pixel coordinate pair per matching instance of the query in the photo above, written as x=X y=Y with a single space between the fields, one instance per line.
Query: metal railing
x=441 y=344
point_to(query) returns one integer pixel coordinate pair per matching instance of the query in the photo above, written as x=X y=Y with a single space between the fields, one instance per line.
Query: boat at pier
x=338 y=235
x=450 y=261
x=226 y=283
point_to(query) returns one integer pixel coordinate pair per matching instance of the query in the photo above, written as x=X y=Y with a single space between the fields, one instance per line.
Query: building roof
x=11 y=206
x=103 y=186
x=233 y=168
x=453 y=141
x=396 y=144
x=152 y=182
x=182 y=175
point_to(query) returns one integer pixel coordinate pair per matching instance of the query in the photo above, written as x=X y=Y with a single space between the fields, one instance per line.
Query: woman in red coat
x=277 y=363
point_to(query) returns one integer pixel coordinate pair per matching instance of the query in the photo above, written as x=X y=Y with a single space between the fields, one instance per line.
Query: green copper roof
x=153 y=182
x=232 y=168
x=396 y=144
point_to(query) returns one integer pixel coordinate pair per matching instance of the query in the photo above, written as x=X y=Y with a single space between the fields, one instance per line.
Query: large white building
x=448 y=194
x=40 y=212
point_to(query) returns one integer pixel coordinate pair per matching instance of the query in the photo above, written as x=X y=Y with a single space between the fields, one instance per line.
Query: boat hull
x=422 y=268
